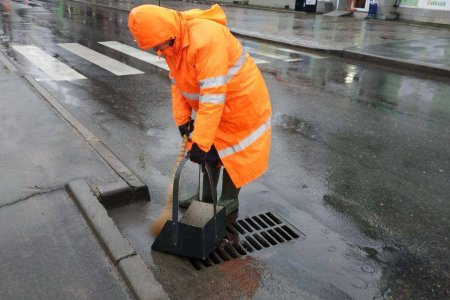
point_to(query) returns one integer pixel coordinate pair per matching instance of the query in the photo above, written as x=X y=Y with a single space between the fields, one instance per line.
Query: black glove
x=212 y=157
x=197 y=155
x=186 y=128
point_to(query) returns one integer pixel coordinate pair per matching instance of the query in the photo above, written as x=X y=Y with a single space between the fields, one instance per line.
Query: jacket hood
x=152 y=25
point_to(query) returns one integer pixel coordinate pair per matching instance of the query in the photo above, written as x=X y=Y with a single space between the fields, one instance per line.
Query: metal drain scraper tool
x=201 y=228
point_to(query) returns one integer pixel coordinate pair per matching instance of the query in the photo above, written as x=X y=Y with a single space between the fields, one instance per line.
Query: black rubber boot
x=229 y=198
x=207 y=197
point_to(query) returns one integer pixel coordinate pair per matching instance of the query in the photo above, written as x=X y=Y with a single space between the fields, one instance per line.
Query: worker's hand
x=212 y=157
x=186 y=128
x=197 y=155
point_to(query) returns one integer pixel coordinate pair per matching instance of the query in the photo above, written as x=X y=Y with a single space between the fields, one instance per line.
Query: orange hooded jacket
x=213 y=75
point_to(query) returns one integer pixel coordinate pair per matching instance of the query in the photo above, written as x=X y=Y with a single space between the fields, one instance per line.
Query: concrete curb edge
x=136 y=188
x=388 y=62
x=134 y=270
x=396 y=63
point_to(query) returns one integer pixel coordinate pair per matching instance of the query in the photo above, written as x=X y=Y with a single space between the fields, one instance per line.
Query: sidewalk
x=395 y=44
x=56 y=239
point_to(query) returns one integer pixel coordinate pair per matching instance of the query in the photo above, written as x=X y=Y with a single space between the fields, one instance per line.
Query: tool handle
x=176 y=188
x=213 y=193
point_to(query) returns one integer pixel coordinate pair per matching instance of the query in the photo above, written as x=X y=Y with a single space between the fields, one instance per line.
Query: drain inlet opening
x=283 y=233
x=254 y=243
x=267 y=220
x=275 y=235
x=252 y=223
x=269 y=238
x=245 y=225
x=261 y=240
x=261 y=223
x=248 y=235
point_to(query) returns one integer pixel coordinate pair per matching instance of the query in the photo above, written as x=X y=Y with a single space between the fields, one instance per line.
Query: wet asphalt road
x=359 y=163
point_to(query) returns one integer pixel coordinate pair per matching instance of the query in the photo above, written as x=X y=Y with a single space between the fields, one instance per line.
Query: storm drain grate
x=248 y=235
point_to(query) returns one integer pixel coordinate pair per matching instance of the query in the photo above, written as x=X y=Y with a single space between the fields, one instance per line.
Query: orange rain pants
x=213 y=75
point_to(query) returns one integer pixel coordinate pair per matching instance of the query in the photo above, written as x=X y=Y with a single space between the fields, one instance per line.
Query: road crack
x=44 y=191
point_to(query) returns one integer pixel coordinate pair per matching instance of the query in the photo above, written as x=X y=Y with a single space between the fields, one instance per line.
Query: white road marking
x=301 y=53
x=55 y=69
x=294 y=59
x=107 y=63
x=259 y=61
x=139 y=54
x=276 y=56
x=148 y=57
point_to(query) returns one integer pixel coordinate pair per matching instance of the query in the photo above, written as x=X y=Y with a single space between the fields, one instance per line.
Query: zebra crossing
x=136 y=53
x=103 y=61
x=55 y=69
x=58 y=71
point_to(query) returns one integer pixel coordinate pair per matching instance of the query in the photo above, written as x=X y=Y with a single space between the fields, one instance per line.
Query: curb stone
x=136 y=273
x=136 y=190
x=396 y=63
x=140 y=278
x=388 y=62
x=103 y=226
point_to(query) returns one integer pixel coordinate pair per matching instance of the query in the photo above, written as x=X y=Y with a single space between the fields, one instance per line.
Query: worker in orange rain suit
x=212 y=74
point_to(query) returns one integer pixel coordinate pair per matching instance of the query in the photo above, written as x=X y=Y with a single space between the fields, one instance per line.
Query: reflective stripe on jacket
x=212 y=74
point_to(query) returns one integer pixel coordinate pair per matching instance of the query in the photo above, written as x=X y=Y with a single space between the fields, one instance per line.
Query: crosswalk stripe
x=139 y=54
x=259 y=61
x=55 y=69
x=276 y=56
x=301 y=53
x=148 y=57
x=294 y=59
x=100 y=60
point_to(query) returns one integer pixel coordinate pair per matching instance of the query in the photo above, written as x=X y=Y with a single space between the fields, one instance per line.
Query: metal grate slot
x=238 y=228
x=231 y=230
x=252 y=223
x=261 y=223
x=274 y=218
x=275 y=235
x=231 y=250
x=245 y=225
x=254 y=243
x=269 y=238
x=223 y=255
x=290 y=231
x=283 y=233
x=261 y=240
x=247 y=246
x=208 y=262
x=215 y=257
x=248 y=235
x=267 y=220
x=239 y=249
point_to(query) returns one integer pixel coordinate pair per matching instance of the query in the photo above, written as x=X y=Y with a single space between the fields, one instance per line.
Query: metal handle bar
x=176 y=187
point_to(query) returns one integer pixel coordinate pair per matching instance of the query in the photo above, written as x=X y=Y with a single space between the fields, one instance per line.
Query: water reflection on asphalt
x=359 y=161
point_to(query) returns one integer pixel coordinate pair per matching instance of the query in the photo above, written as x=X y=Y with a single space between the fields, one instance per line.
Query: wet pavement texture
x=359 y=163
x=384 y=38
x=52 y=254
x=433 y=51
x=397 y=40
x=44 y=157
